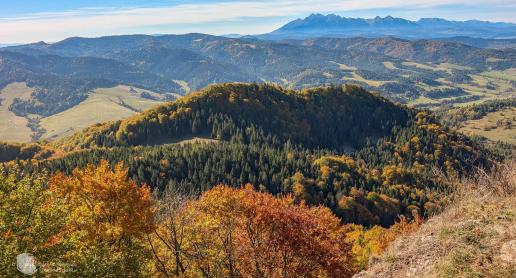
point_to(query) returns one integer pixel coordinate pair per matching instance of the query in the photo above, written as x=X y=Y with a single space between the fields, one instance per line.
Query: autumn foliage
x=372 y=242
x=104 y=204
x=97 y=222
x=244 y=233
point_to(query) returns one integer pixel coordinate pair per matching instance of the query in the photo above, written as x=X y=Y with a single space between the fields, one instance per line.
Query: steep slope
x=62 y=82
x=474 y=237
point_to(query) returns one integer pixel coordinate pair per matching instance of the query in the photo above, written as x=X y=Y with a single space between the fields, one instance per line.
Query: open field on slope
x=436 y=67
x=487 y=85
x=482 y=86
x=500 y=125
x=344 y=66
x=359 y=78
x=200 y=138
x=509 y=74
x=106 y=104
x=12 y=127
x=389 y=65
x=420 y=66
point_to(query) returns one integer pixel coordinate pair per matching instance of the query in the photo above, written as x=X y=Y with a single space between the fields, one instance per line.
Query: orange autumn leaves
x=244 y=233
x=104 y=204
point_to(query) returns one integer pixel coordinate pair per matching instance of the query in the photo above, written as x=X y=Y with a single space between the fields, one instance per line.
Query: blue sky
x=52 y=20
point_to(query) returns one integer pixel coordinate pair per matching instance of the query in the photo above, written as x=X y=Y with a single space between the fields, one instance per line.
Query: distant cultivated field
x=500 y=125
x=12 y=127
x=483 y=86
x=487 y=85
x=359 y=78
x=106 y=104
x=389 y=65
x=420 y=66
x=509 y=74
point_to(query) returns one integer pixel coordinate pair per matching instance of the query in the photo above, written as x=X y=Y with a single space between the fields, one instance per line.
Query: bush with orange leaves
x=244 y=233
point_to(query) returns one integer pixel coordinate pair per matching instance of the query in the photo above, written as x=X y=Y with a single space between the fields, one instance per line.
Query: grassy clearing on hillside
x=448 y=67
x=488 y=85
x=474 y=237
x=422 y=100
x=106 y=104
x=202 y=138
x=437 y=67
x=389 y=65
x=500 y=125
x=509 y=74
x=12 y=127
x=344 y=66
x=420 y=66
x=359 y=78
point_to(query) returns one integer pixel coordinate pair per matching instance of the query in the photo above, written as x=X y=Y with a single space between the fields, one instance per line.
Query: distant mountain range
x=318 y=25
x=8 y=44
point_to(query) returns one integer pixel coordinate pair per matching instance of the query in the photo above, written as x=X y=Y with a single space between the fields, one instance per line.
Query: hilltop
x=293 y=135
x=305 y=117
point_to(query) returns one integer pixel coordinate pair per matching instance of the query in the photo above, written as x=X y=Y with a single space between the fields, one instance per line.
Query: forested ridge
x=332 y=117
x=63 y=82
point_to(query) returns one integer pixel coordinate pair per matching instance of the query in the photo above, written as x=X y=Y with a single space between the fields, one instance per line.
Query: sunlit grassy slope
x=102 y=105
x=499 y=125
x=12 y=127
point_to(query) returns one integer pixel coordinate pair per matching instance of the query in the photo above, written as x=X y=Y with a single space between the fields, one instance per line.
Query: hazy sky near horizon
x=52 y=20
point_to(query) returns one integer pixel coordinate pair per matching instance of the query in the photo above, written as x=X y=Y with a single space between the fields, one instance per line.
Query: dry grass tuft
x=475 y=236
